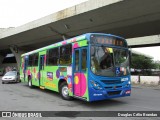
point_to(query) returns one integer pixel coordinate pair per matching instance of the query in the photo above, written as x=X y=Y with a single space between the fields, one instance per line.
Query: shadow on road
x=46 y=91
x=73 y=103
x=102 y=103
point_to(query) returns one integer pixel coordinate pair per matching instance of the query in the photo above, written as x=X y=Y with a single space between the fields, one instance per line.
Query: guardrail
x=145 y=80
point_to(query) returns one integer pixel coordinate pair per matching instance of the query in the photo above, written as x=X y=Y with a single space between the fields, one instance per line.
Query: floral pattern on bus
x=58 y=73
x=76 y=45
x=69 y=81
x=80 y=84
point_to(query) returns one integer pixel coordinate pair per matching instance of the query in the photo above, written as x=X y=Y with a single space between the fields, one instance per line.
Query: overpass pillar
x=17 y=53
x=1 y=67
x=1 y=60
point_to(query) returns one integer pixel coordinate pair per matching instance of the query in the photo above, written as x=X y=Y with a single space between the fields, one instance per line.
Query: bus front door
x=79 y=72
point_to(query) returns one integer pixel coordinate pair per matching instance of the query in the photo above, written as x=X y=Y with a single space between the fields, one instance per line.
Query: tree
x=143 y=63
x=157 y=63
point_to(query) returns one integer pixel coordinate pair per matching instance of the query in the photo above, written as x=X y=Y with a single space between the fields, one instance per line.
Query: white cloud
x=18 y=12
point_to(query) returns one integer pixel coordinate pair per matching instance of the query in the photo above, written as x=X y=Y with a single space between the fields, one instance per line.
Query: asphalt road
x=19 y=97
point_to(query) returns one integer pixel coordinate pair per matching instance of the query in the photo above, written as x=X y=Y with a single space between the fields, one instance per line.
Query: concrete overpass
x=146 y=41
x=127 y=18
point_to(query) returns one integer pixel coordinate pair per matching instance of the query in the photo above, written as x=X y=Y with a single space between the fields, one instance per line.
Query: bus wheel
x=30 y=82
x=64 y=91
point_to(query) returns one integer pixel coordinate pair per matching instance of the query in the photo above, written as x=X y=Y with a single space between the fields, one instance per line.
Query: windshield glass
x=12 y=73
x=107 y=61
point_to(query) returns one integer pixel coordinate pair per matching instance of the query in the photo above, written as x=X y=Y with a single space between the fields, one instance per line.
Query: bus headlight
x=96 y=85
x=129 y=82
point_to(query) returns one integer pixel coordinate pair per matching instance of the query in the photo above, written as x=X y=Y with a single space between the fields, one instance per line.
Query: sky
x=14 y=13
x=151 y=51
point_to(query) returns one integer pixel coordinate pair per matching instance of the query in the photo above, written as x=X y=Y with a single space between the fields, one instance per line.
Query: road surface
x=19 y=97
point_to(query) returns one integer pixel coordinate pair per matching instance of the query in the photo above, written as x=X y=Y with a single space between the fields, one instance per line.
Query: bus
x=90 y=67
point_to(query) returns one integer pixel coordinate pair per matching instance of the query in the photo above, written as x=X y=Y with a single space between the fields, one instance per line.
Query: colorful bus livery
x=90 y=67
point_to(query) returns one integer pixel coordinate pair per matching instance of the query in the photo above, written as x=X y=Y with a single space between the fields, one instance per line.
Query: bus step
x=42 y=87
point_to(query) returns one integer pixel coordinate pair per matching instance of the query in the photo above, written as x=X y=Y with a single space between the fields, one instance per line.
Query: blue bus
x=90 y=67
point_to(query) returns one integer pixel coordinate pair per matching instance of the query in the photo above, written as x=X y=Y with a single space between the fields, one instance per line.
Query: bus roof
x=64 y=42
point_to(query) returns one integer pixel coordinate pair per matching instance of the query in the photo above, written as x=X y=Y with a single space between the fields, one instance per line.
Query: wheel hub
x=29 y=83
x=65 y=91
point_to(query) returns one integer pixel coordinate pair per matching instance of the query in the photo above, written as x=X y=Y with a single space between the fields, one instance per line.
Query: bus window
x=66 y=54
x=30 y=62
x=84 y=59
x=106 y=60
x=35 y=59
x=53 y=56
x=77 y=60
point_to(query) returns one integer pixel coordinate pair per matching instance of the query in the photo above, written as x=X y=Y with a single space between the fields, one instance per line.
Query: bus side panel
x=23 y=69
x=34 y=75
x=51 y=80
x=33 y=71
x=28 y=73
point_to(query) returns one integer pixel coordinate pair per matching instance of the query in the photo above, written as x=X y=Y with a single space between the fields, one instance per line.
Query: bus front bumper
x=108 y=94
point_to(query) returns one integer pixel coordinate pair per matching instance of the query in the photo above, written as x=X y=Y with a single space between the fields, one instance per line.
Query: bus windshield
x=107 y=61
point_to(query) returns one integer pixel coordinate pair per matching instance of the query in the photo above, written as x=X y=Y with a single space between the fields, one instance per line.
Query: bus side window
x=53 y=56
x=66 y=54
x=77 y=60
x=35 y=59
x=25 y=63
x=30 y=62
x=84 y=59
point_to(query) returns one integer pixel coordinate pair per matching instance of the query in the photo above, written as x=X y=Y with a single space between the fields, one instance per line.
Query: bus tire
x=30 y=82
x=64 y=91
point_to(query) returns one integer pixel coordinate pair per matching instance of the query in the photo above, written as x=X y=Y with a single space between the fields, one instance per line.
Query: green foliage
x=143 y=63
x=157 y=64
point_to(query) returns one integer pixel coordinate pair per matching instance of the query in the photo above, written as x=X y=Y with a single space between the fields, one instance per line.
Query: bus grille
x=114 y=93
x=113 y=87
x=107 y=82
